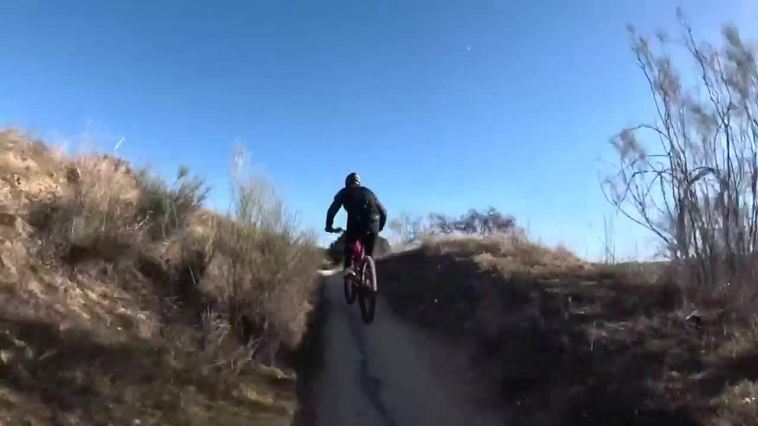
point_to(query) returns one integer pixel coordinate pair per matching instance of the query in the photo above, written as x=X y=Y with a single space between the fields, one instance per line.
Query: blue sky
x=440 y=105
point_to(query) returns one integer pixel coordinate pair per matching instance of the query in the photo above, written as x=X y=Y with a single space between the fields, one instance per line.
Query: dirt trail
x=388 y=373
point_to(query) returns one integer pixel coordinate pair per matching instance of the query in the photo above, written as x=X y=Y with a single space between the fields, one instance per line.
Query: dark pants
x=368 y=239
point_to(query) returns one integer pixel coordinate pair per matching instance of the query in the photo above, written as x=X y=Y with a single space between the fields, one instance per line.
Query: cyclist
x=366 y=216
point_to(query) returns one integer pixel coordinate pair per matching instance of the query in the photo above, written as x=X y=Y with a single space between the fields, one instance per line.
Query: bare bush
x=167 y=208
x=690 y=177
x=408 y=229
x=108 y=209
x=413 y=229
x=512 y=253
x=474 y=222
x=98 y=212
x=220 y=348
x=262 y=267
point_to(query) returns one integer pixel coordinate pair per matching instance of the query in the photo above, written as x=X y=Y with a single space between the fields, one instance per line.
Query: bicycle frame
x=362 y=283
x=359 y=255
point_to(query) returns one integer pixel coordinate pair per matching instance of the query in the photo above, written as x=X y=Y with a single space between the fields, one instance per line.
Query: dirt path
x=388 y=373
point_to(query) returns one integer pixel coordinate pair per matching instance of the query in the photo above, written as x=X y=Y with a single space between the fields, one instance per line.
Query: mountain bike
x=362 y=282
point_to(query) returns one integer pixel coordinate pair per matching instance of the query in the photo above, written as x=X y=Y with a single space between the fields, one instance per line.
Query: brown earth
x=565 y=342
x=111 y=338
x=387 y=373
x=468 y=330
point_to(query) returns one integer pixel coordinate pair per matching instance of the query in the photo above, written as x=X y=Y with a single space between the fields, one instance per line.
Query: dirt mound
x=112 y=327
x=564 y=341
x=511 y=254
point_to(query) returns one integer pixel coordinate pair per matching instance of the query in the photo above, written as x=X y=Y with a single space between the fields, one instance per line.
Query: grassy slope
x=97 y=340
x=564 y=342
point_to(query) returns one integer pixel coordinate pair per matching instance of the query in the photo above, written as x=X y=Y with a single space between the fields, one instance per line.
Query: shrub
x=168 y=208
x=408 y=229
x=411 y=230
x=690 y=175
x=252 y=267
x=107 y=209
x=262 y=267
x=473 y=223
x=98 y=210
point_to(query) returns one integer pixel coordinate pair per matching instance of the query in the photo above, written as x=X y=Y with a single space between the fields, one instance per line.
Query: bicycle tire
x=350 y=290
x=367 y=292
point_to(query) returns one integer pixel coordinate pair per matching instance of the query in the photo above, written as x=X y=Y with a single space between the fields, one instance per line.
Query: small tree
x=261 y=263
x=168 y=207
x=407 y=228
x=690 y=176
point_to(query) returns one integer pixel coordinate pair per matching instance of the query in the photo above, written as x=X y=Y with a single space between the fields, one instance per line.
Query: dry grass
x=739 y=405
x=73 y=377
x=96 y=211
x=565 y=341
x=109 y=210
x=168 y=208
x=743 y=340
x=263 y=269
x=123 y=300
x=512 y=254
x=30 y=172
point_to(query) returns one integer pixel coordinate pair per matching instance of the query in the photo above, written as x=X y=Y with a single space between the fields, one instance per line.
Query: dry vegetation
x=564 y=341
x=689 y=175
x=568 y=342
x=123 y=301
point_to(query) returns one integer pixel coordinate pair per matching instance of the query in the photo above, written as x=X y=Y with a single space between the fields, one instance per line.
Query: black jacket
x=364 y=211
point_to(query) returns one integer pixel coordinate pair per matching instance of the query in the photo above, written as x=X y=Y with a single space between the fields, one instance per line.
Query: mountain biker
x=366 y=216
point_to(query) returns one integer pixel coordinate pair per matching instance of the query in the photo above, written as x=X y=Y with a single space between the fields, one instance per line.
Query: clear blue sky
x=440 y=105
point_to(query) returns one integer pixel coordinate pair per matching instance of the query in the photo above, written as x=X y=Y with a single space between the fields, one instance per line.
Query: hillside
x=562 y=341
x=123 y=301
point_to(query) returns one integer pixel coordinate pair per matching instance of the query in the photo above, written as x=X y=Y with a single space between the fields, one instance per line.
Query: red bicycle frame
x=358 y=256
x=362 y=282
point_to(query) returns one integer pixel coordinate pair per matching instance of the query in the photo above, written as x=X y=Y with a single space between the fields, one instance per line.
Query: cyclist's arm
x=333 y=209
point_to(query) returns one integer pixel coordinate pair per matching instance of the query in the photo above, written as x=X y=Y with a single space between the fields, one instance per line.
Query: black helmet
x=352 y=179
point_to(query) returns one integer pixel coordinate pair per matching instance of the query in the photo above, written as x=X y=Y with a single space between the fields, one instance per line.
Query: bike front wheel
x=367 y=292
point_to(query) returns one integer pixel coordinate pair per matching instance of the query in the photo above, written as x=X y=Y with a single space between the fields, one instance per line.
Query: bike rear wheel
x=367 y=292
x=350 y=290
